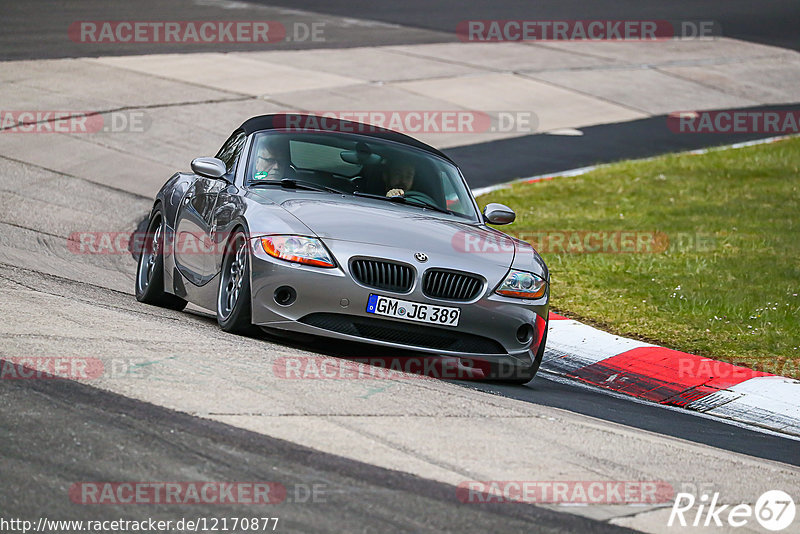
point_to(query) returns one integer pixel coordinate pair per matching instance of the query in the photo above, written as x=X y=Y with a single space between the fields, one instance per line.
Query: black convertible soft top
x=301 y=122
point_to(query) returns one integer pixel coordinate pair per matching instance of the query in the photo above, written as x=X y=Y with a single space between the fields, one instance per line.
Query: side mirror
x=498 y=214
x=209 y=167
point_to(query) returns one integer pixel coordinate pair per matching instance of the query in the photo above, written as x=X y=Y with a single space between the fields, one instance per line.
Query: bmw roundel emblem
x=421 y=257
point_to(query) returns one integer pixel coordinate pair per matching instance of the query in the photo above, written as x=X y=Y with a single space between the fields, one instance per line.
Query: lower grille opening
x=403 y=333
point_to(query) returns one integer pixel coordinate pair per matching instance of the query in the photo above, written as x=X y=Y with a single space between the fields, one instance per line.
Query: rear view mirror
x=362 y=155
x=209 y=167
x=498 y=214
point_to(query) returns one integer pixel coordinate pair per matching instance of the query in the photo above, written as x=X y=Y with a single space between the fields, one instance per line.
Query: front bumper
x=331 y=303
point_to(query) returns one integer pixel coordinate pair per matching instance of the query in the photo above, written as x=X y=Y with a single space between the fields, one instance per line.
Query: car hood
x=384 y=224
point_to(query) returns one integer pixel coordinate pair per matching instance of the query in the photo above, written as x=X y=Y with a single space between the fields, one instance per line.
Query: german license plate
x=413 y=311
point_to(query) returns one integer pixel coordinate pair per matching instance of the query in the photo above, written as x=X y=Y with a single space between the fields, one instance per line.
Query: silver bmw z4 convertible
x=308 y=225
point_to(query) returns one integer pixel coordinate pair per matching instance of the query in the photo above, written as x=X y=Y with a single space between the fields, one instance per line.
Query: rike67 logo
x=774 y=510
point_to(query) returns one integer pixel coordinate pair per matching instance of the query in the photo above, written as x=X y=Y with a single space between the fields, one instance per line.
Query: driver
x=272 y=160
x=398 y=177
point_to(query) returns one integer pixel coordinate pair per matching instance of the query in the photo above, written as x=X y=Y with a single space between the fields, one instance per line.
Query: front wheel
x=150 y=269
x=233 y=297
x=524 y=375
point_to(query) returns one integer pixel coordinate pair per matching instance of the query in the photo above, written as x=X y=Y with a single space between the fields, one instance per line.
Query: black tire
x=522 y=376
x=149 y=283
x=233 y=295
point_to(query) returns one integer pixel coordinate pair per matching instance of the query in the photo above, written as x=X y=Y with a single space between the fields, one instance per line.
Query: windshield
x=362 y=166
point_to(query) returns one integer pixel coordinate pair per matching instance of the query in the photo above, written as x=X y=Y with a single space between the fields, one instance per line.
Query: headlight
x=305 y=250
x=522 y=285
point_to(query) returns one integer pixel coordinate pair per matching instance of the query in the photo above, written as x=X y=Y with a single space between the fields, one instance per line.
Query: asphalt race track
x=86 y=426
x=196 y=404
x=738 y=18
x=348 y=25
x=547 y=391
x=27 y=35
x=117 y=429
x=489 y=163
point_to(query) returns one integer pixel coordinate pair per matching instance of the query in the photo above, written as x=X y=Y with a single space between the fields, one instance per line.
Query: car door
x=193 y=244
x=195 y=251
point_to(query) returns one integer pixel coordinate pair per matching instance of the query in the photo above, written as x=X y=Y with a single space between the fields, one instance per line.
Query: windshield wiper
x=291 y=183
x=404 y=200
x=427 y=204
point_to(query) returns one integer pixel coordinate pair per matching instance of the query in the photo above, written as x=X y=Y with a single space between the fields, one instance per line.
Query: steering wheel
x=418 y=195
